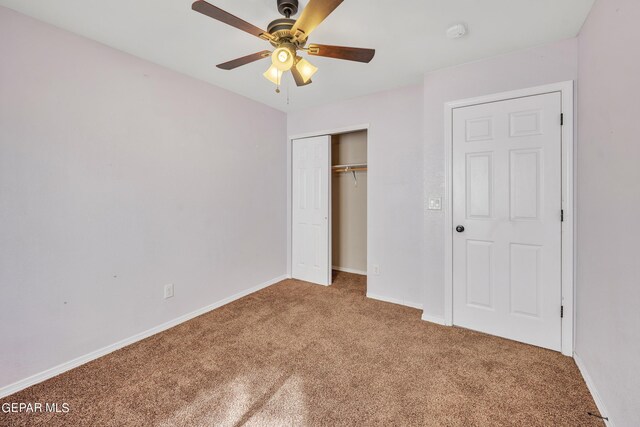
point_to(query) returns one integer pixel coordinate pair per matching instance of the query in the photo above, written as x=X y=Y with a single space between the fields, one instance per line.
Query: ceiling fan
x=288 y=37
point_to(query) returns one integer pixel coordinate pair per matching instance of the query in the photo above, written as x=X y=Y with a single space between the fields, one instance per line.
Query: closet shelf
x=356 y=167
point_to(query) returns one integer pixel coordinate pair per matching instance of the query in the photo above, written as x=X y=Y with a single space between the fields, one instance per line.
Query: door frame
x=290 y=139
x=566 y=90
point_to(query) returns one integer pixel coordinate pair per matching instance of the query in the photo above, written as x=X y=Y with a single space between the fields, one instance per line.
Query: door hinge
x=562 y=215
x=561 y=119
x=561 y=311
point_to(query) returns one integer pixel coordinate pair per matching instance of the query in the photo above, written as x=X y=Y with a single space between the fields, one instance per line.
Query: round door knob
x=459 y=229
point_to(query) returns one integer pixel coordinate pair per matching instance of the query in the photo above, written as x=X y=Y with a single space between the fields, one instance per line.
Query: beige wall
x=115 y=180
x=349 y=203
x=608 y=206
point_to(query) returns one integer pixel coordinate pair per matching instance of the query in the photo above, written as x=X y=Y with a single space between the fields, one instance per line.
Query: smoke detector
x=456 y=31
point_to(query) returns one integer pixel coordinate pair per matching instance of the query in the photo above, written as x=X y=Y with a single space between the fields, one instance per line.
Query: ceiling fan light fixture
x=274 y=75
x=282 y=58
x=306 y=69
x=287 y=36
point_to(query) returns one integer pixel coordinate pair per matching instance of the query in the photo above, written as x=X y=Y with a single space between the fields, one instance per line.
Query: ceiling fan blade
x=298 y=77
x=223 y=16
x=341 y=52
x=244 y=60
x=312 y=15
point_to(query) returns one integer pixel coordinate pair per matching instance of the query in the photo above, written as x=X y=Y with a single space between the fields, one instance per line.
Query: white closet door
x=507 y=196
x=310 y=234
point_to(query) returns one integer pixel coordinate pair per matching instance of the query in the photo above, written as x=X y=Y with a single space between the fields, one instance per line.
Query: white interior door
x=310 y=235
x=507 y=191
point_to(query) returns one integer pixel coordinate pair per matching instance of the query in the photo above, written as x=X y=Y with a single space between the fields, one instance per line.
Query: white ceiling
x=409 y=38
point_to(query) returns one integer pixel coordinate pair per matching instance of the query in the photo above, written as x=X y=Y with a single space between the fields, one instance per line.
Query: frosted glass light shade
x=306 y=69
x=274 y=75
x=282 y=59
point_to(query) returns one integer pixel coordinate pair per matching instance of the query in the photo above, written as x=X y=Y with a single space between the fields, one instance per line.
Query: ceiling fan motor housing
x=281 y=30
x=288 y=8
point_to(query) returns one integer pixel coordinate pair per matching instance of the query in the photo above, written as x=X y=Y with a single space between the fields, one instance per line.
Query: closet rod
x=350 y=169
x=350 y=165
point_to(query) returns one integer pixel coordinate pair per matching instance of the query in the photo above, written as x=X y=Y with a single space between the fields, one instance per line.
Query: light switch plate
x=168 y=291
x=435 y=203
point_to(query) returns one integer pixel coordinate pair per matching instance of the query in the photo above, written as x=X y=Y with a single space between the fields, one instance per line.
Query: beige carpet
x=302 y=354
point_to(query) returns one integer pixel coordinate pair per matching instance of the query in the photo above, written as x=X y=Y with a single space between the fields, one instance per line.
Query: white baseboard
x=592 y=388
x=394 y=301
x=413 y=305
x=434 y=319
x=350 y=270
x=57 y=370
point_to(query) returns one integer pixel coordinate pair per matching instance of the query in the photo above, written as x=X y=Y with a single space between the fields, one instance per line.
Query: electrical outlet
x=435 y=203
x=168 y=291
x=376 y=269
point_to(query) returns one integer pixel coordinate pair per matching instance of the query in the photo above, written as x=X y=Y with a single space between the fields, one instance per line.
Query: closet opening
x=349 y=208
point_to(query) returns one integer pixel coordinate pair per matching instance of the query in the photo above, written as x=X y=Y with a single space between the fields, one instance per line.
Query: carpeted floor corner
x=303 y=354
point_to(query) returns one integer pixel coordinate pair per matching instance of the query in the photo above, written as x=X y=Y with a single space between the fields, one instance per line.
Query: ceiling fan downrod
x=288 y=8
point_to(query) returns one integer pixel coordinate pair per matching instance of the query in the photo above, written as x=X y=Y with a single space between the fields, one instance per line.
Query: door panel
x=525 y=184
x=479 y=129
x=480 y=274
x=507 y=196
x=524 y=267
x=310 y=216
x=479 y=185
